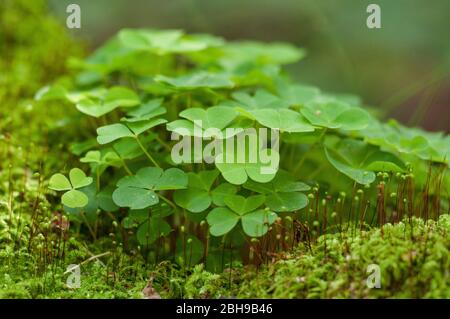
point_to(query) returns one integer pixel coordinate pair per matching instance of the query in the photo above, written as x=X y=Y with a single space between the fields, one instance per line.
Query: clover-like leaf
x=77 y=179
x=138 y=191
x=112 y=99
x=262 y=99
x=159 y=41
x=283 y=193
x=163 y=42
x=221 y=192
x=335 y=115
x=81 y=147
x=59 y=182
x=361 y=176
x=172 y=178
x=260 y=53
x=100 y=161
x=74 y=199
x=358 y=160
x=203 y=123
x=214 y=117
x=221 y=221
x=113 y=132
x=121 y=96
x=255 y=222
x=286 y=202
x=193 y=199
x=110 y=133
x=105 y=201
x=412 y=141
x=242 y=205
x=296 y=94
x=140 y=127
x=146 y=111
x=134 y=197
x=199 y=196
x=284 y=120
x=197 y=80
x=54 y=92
x=236 y=172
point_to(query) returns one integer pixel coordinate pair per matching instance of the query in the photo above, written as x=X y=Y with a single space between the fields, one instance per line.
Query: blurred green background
x=402 y=68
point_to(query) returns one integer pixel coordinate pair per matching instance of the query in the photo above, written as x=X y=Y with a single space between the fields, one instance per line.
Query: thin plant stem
x=146 y=153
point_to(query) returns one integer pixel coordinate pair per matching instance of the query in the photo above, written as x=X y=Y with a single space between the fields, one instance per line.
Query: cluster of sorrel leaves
x=142 y=85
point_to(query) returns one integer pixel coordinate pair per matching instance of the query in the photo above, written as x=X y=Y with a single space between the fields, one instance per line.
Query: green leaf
x=93 y=108
x=140 y=127
x=221 y=221
x=59 y=182
x=100 y=162
x=296 y=94
x=163 y=42
x=286 y=202
x=193 y=199
x=335 y=115
x=205 y=123
x=380 y=161
x=173 y=178
x=82 y=147
x=105 y=201
x=185 y=128
x=237 y=173
x=262 y=99
x=413 y=141
x=146 y=111
x=128 y=148
x=284 y=120
x=361 y=176
x=197 y=197
x=234 y=173
x=256 y=224
x=282 y=193
x=138 y=191
x=121 y=96
x=260 y=53
x=214 y=117
x=110 y=133
x=221 y=192
x=157 y=40
x=241 y=205
x=54 y=92
x=134 y=198
x=78 y=178
x=353 y=119
x=358 y=159
x=197 y=80
x=107 y=101
x=74 y=199
x=203 y=180
x=146 y=177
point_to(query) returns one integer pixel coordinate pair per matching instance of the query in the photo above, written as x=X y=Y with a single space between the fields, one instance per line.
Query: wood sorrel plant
x=144 y=85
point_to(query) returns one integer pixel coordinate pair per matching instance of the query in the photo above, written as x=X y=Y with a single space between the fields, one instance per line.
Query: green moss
x=414 y=266
x=411 y=266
